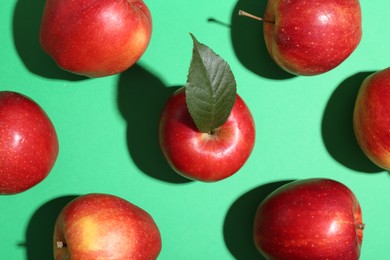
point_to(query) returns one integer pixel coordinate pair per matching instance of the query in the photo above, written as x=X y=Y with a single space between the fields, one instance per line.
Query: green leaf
x=210 y=88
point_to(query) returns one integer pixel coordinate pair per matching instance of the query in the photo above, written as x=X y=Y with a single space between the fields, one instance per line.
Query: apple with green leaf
x=371 y=118
x=311 y=37
x=313 y=218
x=206 y=131
x=95 y=38
x=28 y=143
x=104 y=226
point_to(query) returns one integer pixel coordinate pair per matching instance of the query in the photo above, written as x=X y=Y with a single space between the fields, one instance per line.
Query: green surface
x=107 y=130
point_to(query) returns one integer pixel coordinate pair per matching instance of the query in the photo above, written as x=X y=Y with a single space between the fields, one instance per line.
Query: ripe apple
x=371 y=118
x=309 y=219
x=207 y=157
x=104 y=226
x=28 y=143
x=95 y=38
x=311 y=37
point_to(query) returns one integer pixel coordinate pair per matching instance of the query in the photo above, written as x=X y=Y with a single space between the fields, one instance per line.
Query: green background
x=107 y=129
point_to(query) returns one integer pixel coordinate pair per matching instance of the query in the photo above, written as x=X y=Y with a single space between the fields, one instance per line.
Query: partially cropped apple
x=309 y=219
x=28 y=143
x=311 y=37
x=104 y=226
x=371 y=118
x=95 y=38
x=206 y=131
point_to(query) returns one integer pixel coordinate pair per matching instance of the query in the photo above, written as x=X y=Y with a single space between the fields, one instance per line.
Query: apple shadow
x=238 y=225
x=248 y=42
x=141 y=98
x=39 y=233
x=26 y=29
x=337 y=127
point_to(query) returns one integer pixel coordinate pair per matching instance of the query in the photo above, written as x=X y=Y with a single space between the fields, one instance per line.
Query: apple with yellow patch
x=95 y=38
x=104 y=226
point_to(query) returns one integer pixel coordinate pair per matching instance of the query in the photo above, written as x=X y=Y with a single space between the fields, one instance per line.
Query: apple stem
x=243 y=13
x=61 y=244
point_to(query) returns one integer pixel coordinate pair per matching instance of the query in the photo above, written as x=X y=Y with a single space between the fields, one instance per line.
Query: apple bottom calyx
x=61 y=244
x=360 y=226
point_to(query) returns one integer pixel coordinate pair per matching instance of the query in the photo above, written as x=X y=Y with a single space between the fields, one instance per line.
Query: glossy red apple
x=211 y=156
x=309 y=219
x=104 y=226
x=311 y=37
x=95 y=38
x=371 y=118
x=28 y=143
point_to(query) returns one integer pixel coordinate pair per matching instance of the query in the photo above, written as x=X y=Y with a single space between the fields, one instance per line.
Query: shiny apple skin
x=28 y=143
x=309 y=219
x=371 y=118
x=207 y=157
x=104 y=226
x=95 y=38
x=312 y=37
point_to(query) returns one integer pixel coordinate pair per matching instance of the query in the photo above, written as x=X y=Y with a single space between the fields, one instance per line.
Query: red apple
x=309 y=219
x=28 y=143
x=371 y=118
x=95 y=38
x=207 y=157
x=103 y=226
x=311 y=37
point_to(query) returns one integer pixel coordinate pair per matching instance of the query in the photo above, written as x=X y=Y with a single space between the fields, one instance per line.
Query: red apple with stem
x=95 y=38
x=206 y=131
x=28 y=143
x=104 y=226
x=311 y=37
x=309 y=219
x=371 y=118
